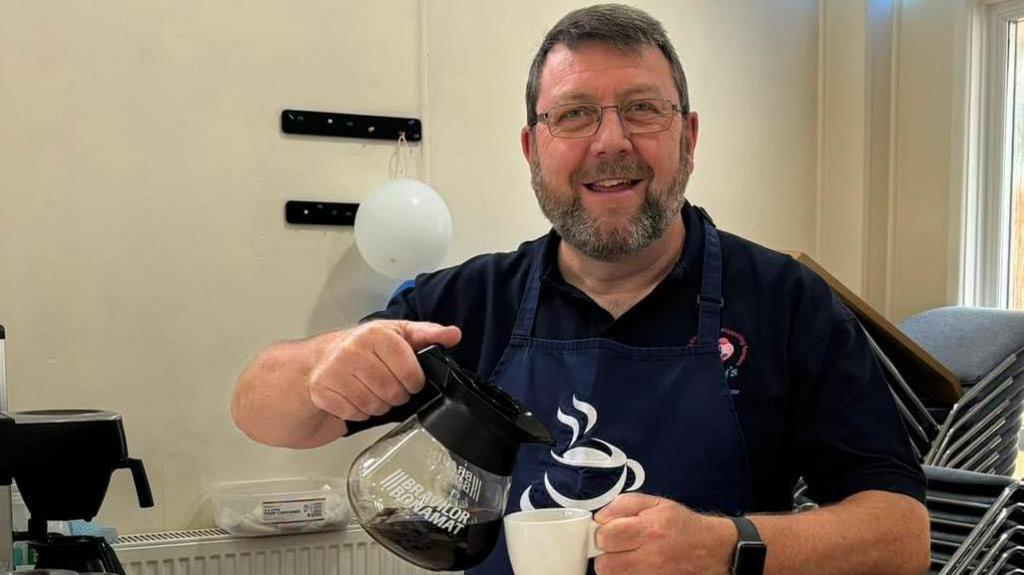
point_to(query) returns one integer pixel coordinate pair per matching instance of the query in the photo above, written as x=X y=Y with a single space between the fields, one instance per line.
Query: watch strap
x=748 y=531
x=749 y=557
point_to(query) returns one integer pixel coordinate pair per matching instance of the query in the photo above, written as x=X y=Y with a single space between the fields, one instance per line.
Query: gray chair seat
x=970 y=341
x=984 y=348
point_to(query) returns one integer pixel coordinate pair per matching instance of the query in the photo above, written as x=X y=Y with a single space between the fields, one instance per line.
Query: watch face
x=750 y=557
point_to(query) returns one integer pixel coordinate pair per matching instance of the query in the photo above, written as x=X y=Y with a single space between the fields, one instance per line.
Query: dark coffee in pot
x=433 y=490
x=427 y=540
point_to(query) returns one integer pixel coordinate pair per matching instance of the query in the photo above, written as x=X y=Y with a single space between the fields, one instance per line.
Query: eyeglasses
x=644 y=116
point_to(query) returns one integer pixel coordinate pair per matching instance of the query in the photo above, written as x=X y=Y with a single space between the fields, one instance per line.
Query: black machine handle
x=110 y=562
x=141 y=482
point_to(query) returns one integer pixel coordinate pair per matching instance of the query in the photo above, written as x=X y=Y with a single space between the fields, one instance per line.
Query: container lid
x=259 y=487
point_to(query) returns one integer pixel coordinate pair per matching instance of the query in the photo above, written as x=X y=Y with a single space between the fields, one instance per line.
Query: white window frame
x=986 y=250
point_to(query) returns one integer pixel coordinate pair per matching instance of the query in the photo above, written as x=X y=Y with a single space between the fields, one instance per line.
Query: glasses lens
x=645 y=116
x=573 y=120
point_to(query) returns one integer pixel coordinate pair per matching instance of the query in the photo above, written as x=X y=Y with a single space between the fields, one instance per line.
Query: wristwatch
x=748 y=559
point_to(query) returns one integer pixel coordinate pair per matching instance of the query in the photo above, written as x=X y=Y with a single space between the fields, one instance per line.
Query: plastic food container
x=280 y=506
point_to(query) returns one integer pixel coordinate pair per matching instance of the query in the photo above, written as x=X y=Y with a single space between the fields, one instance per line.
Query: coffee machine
x=61 y=461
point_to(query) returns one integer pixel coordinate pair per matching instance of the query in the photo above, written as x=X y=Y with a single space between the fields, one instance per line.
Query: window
x=1014 y=200
x=994 y=225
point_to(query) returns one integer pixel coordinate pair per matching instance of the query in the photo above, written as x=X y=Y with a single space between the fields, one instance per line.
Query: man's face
x=610 y=194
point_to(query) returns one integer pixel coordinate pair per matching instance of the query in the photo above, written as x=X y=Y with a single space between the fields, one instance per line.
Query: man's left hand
x=655 y=536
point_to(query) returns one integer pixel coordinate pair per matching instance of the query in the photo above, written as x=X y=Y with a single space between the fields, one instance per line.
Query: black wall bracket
x=329 y=124
x=320 y=213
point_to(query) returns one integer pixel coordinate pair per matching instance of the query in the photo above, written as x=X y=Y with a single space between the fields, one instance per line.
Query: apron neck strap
x=528 y=306
x=709 y=300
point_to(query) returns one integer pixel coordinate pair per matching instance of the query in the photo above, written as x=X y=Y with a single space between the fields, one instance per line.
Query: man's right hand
x=369 y=369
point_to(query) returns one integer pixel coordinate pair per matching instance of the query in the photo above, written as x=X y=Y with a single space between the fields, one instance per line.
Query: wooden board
x=933 y=382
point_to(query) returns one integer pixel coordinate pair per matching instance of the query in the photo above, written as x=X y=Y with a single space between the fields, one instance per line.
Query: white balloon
x=403 y=228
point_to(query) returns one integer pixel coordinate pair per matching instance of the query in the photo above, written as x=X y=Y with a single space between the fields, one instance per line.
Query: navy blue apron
x=627 y=419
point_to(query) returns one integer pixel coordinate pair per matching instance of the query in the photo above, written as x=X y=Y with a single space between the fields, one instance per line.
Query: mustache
x=626 y=168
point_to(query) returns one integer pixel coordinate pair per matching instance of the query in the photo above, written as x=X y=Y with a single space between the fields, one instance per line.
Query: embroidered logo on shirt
x=588 y=452
x=733 y=349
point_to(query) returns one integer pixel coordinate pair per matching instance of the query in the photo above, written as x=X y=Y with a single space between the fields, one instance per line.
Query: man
x=690 y=377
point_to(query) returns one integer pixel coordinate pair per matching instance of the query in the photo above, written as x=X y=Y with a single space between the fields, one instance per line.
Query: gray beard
x=584 y=232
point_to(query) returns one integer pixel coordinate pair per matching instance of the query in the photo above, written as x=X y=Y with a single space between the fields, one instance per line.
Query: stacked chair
x=917 y=419
x=957 y=377
x=970 y=448
x=970 y=513
x=984 y=348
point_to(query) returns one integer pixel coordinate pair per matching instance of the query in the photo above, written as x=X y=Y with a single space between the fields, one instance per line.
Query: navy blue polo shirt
x=811 y=398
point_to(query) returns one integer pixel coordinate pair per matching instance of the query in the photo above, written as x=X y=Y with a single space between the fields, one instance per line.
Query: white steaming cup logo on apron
x=585 y=455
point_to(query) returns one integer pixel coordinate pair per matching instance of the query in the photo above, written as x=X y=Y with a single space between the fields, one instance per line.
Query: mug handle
x=592 y=549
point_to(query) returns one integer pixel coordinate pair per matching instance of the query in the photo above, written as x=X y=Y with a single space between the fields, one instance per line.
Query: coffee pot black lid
x=474 y=419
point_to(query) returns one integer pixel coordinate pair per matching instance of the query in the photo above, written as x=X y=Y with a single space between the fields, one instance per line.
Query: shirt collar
x=690 y=260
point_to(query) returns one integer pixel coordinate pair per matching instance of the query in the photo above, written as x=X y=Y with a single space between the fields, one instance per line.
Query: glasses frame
x=544 y=117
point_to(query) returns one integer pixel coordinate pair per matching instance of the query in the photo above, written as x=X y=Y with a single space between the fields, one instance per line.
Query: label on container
x=294 y=510
x=443 y=513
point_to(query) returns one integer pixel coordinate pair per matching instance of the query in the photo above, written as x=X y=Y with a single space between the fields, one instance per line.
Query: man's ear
x=526 y=141
x=691 y=126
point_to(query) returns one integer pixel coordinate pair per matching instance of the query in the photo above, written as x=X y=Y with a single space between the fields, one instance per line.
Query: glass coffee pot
x=433 y=490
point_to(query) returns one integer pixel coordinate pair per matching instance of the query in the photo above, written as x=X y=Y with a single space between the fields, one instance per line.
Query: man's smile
x=612 y=185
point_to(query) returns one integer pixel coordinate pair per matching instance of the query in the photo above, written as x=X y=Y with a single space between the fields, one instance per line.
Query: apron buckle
x=703 y=300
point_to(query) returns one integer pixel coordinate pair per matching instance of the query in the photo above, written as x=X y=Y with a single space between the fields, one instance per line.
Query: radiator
x=216 y=552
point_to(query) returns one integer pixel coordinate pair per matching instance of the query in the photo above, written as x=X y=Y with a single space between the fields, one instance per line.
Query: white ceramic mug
x=546 y=541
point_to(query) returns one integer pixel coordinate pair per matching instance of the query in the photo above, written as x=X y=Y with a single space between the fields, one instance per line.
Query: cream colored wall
x=893 y=93
x=925 y=264
x=144 y=256
x=844 y=81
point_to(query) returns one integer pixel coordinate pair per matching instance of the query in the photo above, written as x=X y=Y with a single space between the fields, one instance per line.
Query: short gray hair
x=624 y=28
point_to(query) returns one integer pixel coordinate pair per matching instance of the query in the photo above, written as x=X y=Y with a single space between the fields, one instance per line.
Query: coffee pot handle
x=141 y=482
x=436 y=366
